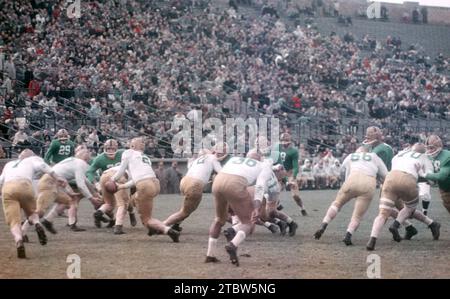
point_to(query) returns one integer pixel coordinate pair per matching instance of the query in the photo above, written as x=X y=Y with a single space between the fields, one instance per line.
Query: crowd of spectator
x=128 y=67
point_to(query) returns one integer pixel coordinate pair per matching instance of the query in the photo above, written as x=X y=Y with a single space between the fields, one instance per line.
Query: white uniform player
x=361 y=170
x=73 y=169
x=192 y=185
x=257 y=174
x=369 y=164
x=230 y=189
x=412 y=162
x=400 y=190
x=142 y=176
x=17 y=193
x=202 y=167
x=138 y=165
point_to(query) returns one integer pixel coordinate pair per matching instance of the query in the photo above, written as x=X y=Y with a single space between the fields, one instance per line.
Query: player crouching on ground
x=120 y=197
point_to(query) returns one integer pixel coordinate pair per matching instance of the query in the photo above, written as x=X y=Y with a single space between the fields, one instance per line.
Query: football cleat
x=283 y=226
x=75 y=228
x=410 y=231
x=118 y=230
x=48 y=226
x=41 y=233
x=273 y=228
x=211 y=259
x=292 y=228
x=177 y=227
x=435 y=230
x=174 y=235
x=20 y=250
x=371 y=244
x=232 y=252
x=348 y=239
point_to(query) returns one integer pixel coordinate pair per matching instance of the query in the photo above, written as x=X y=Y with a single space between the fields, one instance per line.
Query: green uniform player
x=288 y=157
x=60 y=148
x=103 y=162
x=441 y=163
x=385 y=152
x=110 y=157
x=373 y=139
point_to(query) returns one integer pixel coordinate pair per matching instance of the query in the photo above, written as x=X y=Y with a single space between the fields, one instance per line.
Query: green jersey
x=59 y=151
x=288 y=157
x=441 y=173
x=385 y=153
x=102 y=163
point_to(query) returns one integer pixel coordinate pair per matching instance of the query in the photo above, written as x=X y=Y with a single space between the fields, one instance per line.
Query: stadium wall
x=436 y=15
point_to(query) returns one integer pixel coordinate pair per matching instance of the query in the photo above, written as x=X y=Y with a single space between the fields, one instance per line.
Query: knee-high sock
x=378 y=223
x=331 y=213
x=353 y=225
x=53 y=212
x=16 y=232
x=26 y=225
x=212 y=247
x=72 y=214
x=60 y=208
x=120 y=215
x=405 y=213
x=422 y=218
x=33 y=218
x=239 y=238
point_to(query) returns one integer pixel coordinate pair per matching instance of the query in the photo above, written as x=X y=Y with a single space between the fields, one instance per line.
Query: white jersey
x=408 y=161
x=137 y=164
x=255 y=172
x=367 y=163
x=26 y=169
x=74 y=170
x=202 y=167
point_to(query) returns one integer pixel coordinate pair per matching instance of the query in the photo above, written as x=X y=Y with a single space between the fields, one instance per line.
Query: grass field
x=263 y=254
